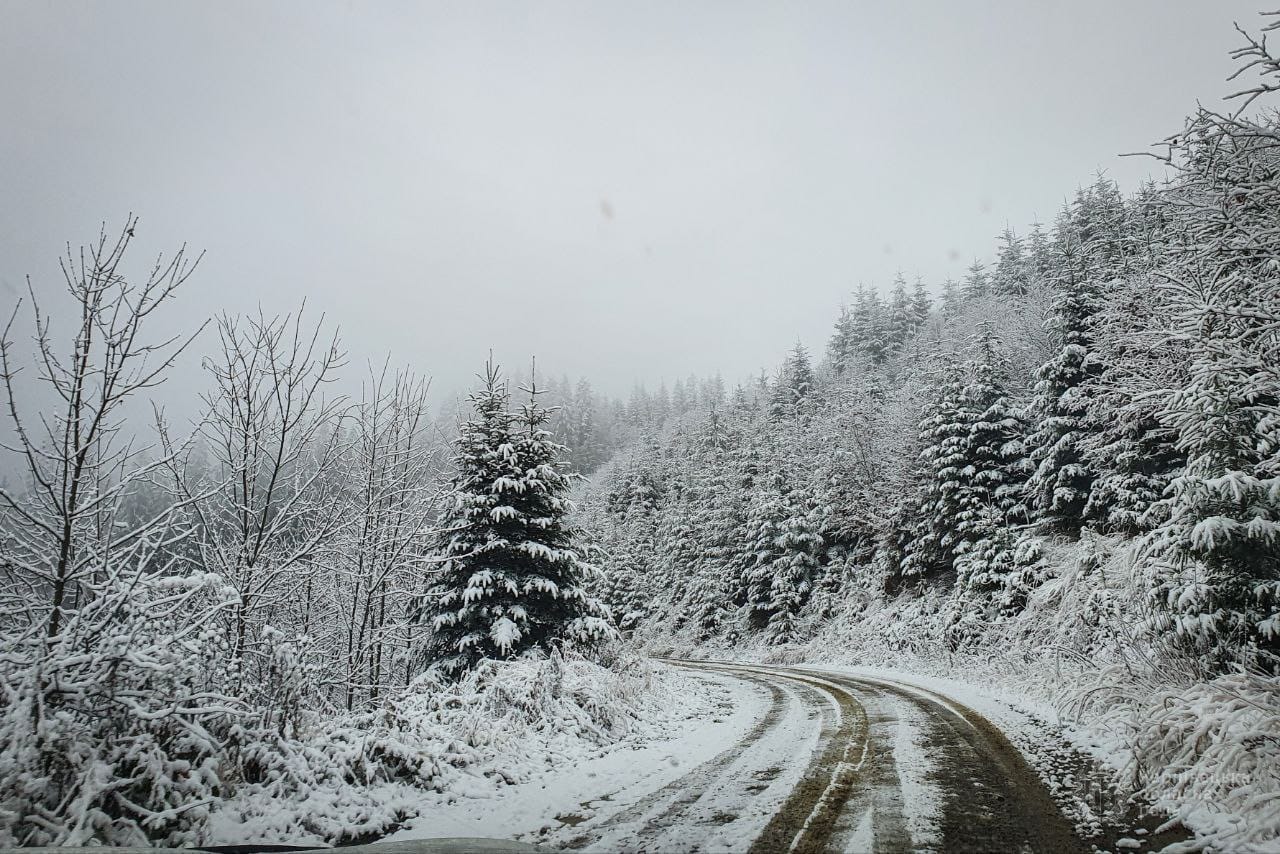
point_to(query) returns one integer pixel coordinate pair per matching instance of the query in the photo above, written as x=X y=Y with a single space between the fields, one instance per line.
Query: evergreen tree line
x=592 y=427
x=1117 y=372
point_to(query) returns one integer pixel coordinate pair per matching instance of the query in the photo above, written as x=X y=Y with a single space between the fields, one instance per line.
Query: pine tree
x=921 y=305
x=1039 y=257
x=874 y=332
x=1059 y=489
x=512 y=579
x=929 y=547
x=976 y=284
x=994 y=451
x=784 y=530
x=842 y=347
x=1132 y=455
x=796 y=567
x=679 y=399
x=764 y=524
x=723 y=533
x=1011 y=277
x=951 y=298
x=794 y=384
x=1219 y=539
x=584 y=438
x=900 y=322
x=661 y=405
x=973 y=464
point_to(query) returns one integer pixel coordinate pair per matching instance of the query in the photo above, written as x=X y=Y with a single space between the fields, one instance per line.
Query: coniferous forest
x=309 y=611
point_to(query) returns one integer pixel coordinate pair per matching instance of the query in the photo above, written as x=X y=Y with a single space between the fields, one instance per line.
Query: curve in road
x=965 y=787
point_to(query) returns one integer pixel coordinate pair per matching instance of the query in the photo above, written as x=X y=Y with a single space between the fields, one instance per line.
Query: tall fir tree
x=977 y=284
x=842 y=347
x=900 y=322
x=512 y=579
x=1011 y=277
x=921 y=305
x=1060 y=486
x=952 y=298
x=794 y=385
x=973 y=464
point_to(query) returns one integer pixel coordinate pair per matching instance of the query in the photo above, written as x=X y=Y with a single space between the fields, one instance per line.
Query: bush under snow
x=229 y=778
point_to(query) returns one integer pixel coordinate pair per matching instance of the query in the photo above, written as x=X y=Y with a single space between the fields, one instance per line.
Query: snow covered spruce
x=513 y=579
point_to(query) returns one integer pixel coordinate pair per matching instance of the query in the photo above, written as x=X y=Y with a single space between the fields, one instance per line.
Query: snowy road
x=879 y=767
x=805 y=760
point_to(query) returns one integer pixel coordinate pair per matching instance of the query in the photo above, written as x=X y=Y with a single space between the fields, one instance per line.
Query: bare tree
x=270 y=501
x=106 y=669
x=60 y=532
x=393 y=482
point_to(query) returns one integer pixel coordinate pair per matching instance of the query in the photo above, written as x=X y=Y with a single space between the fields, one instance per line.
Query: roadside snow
x=703 y=715
x=445 y=760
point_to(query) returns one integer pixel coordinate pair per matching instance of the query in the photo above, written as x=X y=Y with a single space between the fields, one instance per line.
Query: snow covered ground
x=612 y=797
x=810 y=758
x=580 y=787
x=499 y=755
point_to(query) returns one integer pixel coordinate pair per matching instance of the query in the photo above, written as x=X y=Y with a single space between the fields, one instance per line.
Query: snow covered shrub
x=286 y=685
x=1214 y=749
x=110 y=732
x=364 y=773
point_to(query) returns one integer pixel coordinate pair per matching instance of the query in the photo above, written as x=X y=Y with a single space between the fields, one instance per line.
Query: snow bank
x=363 y=775
x=226 y=777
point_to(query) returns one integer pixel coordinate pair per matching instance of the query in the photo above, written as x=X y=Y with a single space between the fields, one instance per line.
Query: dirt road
x=893 y=768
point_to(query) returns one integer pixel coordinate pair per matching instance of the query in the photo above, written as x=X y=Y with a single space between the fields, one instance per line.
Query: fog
x=627 y=191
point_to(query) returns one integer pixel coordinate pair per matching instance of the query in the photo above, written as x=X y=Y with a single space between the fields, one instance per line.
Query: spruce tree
x=900 y=322
x=973 y=464
x=952 y=298
x=1060 y=486
x=1219 y=540
x=1011 y=278
x=784 y=532
x=794 y=383
x=511 y=579
x=1132 y=455
x=921 y=305
x=995 y=461
x=929 y=547
x=1039 y=257
x=842 y=347
x=977 y=285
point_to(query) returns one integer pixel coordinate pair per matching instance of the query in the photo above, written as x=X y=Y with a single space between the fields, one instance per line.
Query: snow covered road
x=794 y=759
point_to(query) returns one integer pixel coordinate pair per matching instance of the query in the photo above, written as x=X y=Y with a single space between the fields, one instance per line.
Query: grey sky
x=626 y=190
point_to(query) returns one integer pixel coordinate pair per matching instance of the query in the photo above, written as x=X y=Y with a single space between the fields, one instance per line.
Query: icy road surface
x=806 y=760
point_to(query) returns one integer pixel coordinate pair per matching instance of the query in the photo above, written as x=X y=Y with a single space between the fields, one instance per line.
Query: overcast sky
x=629 y=190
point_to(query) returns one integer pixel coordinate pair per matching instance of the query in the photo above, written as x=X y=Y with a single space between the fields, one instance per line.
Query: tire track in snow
x=849 y=792
x=662 y=809
x=993 y=799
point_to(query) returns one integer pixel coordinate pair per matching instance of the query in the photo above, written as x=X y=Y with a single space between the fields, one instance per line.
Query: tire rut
x=686 y=790
x=812 y=814
x=994 y=799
